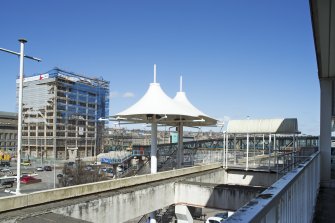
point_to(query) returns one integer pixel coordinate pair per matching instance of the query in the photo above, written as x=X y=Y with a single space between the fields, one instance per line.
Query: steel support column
x=325 y=127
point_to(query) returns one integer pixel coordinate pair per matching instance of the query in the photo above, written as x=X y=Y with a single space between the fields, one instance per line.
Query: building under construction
x=61 y=112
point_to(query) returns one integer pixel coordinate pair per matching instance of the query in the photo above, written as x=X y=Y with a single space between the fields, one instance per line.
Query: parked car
x=39 y=168
x=6 y=171
x=88 y=168
x=103 y=169
x=26 y=163
x=214 y=220
x=59 y=175
x=29 y=180
x=107 y=171
x=71 y=165
x=47 y=168
x=7 y=182
x=120 y=168
x=4 y=163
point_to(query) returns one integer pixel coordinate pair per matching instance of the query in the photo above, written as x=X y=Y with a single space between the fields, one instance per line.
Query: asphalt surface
x=47 y=178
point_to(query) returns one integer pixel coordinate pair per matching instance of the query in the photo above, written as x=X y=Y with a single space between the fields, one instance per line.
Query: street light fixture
x=19 y=124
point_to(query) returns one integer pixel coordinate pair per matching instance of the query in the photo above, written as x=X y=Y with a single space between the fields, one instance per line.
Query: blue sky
x=238 y=58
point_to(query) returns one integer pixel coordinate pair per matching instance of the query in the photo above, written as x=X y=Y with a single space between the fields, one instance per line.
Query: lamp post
x=19 y=126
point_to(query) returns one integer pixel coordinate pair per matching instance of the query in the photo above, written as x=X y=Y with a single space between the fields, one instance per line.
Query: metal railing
x=290 y=199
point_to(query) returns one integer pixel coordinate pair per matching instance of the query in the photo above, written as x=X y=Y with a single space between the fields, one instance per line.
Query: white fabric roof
x=156 y=102
x=183 y=101
x=273 y=126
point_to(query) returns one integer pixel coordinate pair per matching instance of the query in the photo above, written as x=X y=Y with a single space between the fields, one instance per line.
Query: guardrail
x=291 y=199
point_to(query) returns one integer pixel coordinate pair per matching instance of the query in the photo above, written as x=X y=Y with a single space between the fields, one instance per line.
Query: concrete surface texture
x=125 y=199
x=325 y=207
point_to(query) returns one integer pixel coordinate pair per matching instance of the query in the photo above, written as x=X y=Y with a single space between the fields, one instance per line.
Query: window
x=81 y=122
x=72 y=102
x=60 y=134
x=70 y=134
x=61 y=101
x=60 y=94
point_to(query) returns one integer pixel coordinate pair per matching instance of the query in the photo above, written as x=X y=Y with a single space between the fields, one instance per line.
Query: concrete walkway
x=325 y=207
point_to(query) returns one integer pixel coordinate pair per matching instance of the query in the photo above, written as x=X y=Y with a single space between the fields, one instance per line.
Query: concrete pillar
x=325 y=128
x=183 y=214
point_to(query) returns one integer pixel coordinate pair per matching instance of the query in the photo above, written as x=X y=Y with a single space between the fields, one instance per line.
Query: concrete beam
x=183 y=214
x=219 y=196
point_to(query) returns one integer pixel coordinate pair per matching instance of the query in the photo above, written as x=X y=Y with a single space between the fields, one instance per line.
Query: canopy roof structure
x=167 y=111
x=262 y=126
x=182 y=100
x=322 y=13
x=156 y=102
x=156 y=107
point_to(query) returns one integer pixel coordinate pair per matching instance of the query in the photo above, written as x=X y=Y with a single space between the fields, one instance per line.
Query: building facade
x=8 y=132
x=61 y=112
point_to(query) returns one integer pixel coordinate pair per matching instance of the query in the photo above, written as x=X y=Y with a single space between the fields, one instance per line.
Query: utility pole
x=19 y=124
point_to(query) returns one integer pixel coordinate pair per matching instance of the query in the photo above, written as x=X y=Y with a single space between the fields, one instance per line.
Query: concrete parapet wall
x=227 y=197
x=217 y=176
x=127 y=198
x=36 y=198
x=250 y=177
x=121 y=207
x=238 y=177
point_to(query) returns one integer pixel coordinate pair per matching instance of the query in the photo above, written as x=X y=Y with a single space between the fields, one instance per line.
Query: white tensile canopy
x=182 y=101
x=156 y=107
x=156 y=102
x=204 y=120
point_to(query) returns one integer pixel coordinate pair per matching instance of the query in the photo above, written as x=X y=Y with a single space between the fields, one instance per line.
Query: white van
x=214 y=220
